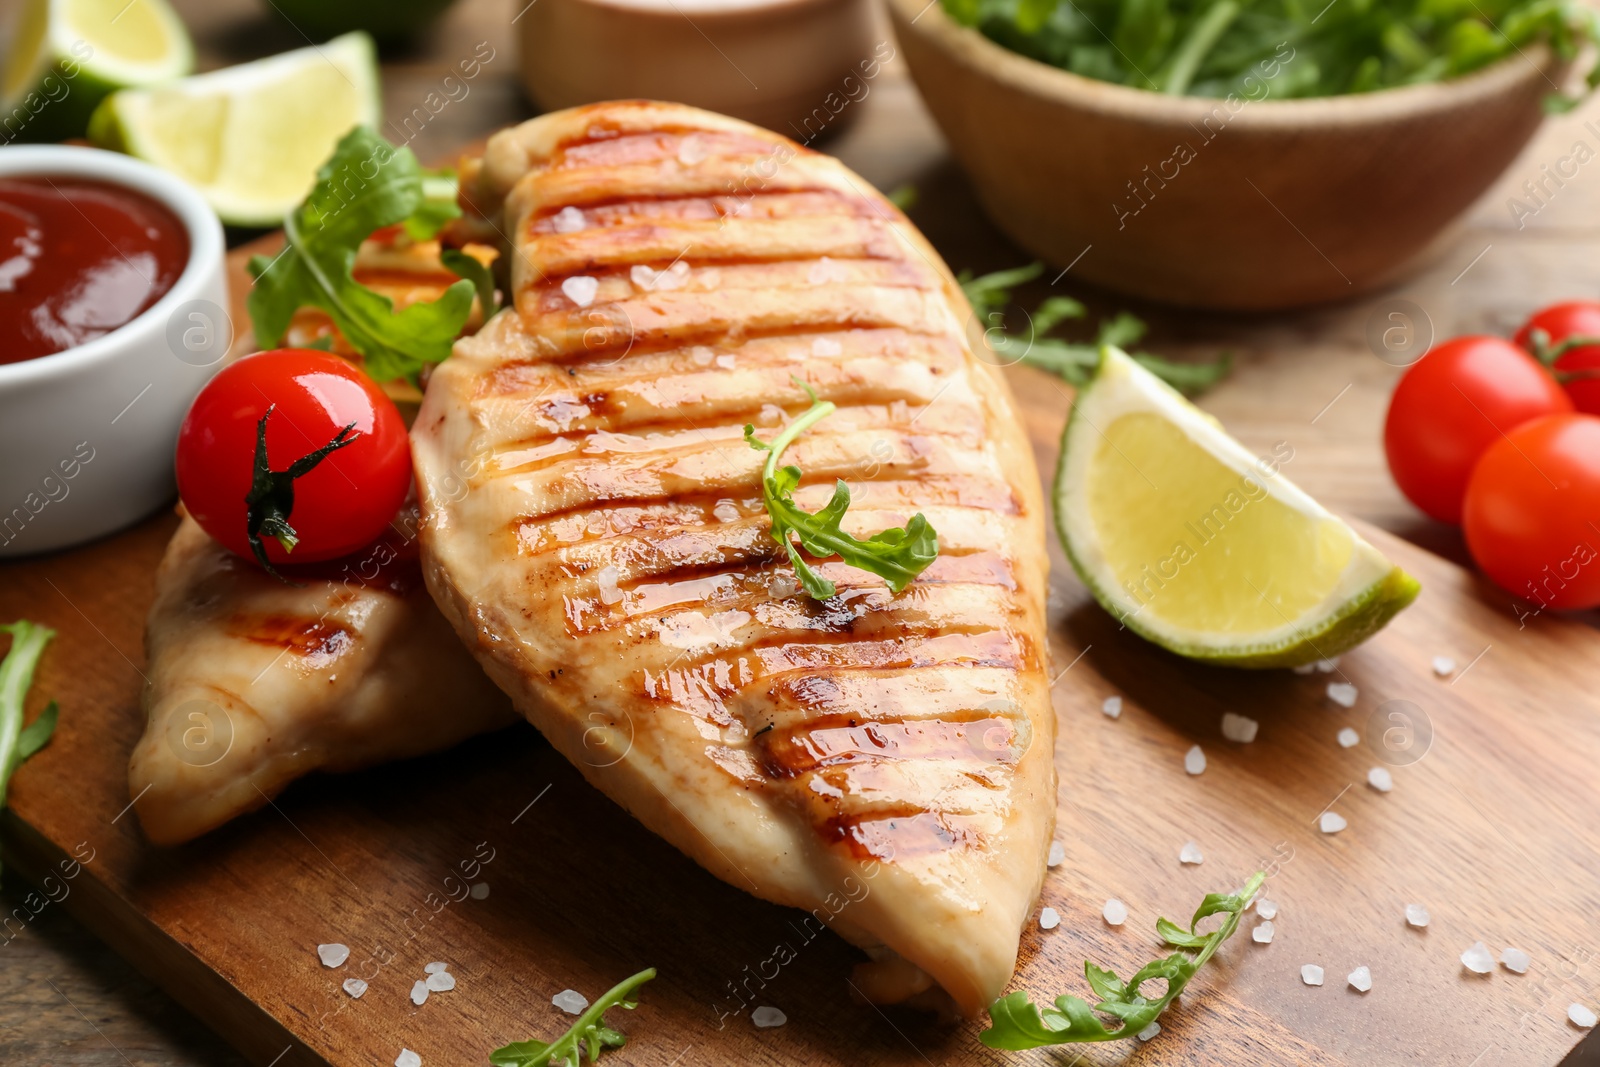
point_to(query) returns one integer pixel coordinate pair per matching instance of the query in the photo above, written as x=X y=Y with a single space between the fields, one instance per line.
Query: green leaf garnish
x=462 y=265
x=990 y=294
x=16 y=676
x=1017 y=1023
x=896 y=555
x=366 y=185
x=589 y=1035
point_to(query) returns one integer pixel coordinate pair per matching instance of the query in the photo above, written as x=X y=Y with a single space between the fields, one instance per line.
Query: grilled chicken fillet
x=594 y=528
x=254 y=683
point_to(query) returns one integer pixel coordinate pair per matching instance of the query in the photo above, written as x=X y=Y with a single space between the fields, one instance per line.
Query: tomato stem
x=1548 y=353
x=271 y=498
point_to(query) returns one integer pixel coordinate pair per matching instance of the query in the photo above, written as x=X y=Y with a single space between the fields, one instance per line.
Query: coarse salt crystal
x=479 y=891
x=1115 y=912
x=1190 y=853
x=1058 y=854
x=407 y=1058
x=1581 y=1016
x=826 y=270
x=675 y=276
x=333 y=955
x=569 y=220
x=1267 y=909
x=1515 y=960
x=419 y=992
x=1262 y=933
x=692 y=151
x=1328 y=666
x=1311 y=974
x=436 y=967
x=1478 y=959
x=1360 y=979
x=1240 y=728
x=826 y=346
x=1332 y=822
x=1342 y=694
x=1417 y=915
x=355 y=987
x=570 y=1001
x=1112 y=706
x=1305 y=668
x=1194 y=760
x=1148 y=1032
x=1348 y=738
x=767 y=1017
x=1049 y=919
x=726 y=361
x=1380 y=779
x=581 y=289
x=1443 y=666
x=441 y=981
x=610 y=592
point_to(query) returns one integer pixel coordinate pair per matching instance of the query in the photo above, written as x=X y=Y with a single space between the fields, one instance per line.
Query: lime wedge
x=1201 y=547
x=249 y=137
x=68 y=54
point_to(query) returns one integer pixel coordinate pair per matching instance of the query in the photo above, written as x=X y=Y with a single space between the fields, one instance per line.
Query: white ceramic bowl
x=87 y=435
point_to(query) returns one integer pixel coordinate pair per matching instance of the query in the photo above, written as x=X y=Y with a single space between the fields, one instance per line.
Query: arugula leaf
x=990 y=294
x=1016 y=1023
x=589 y=1034
x=366 y=185
x=896 y=555
x=28 y=640
x=462 y=265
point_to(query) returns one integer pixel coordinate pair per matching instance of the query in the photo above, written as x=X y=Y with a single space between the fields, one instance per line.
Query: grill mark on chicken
x=833 y=741
x=317 y=640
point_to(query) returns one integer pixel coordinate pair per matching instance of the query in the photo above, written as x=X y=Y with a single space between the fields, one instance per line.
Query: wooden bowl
x=799 y=67
x=1236 y=204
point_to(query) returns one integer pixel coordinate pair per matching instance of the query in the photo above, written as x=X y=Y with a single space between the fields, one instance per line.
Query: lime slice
x=68 y=54
x=249 y=137
x=1201 y=547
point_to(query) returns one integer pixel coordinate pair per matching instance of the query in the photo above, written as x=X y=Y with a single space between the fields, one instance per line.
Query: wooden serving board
x=1492 y=829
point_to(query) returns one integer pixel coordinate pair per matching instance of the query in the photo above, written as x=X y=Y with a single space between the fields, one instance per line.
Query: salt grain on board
x=1515 y=960
x=1328 y=666
x=1342 y=694
x=1190 y=853
x=1348 y=738
x=1360 y=979
x=581 y=289
x=1478 y=959
x=569 y=220
x=570 y=1001
x=1267 y=909
x=419 y=992
x=355 y=987
x=1058 y=854
x=1305 y=668
x=441 y=982
x=480 y=891
x=1049 y=919
x=1240 y=728
x=436 y=967
x=1112 y=706
x=1380 y=779
x=1194 y=760
x=1311 y=974
x=333 y=955
x=1148 y=1032
x=407 y=1058
x=1115 y=912
x=767 y=1017
x=1443 y=666
x=1581 y=1016
x=1417 y=915
x=1262 y=934
x=1331 y=822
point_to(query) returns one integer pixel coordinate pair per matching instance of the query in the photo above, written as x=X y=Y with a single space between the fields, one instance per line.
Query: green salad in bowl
x=1212 y=48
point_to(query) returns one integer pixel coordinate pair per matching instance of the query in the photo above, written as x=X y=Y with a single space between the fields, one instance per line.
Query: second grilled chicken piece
x=594 y=527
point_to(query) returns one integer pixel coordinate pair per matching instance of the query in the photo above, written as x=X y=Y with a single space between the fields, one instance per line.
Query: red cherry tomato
x=341 y=504
x=1452 y=404
x=1576 y=318
x=1533 y=509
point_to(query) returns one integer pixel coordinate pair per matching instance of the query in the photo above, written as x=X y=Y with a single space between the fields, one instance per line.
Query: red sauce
x=79 y=259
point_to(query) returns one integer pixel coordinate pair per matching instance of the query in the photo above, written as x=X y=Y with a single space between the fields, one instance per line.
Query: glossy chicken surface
x=594 y=528
x=254 y=683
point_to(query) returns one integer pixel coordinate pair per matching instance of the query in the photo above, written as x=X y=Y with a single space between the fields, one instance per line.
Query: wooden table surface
x=1310 y=379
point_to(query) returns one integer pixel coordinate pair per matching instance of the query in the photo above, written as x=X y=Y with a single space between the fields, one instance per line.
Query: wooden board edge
x=204 y=993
